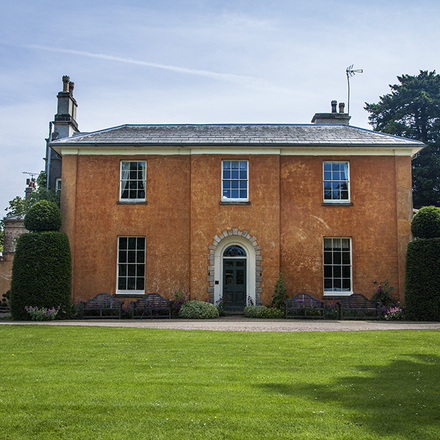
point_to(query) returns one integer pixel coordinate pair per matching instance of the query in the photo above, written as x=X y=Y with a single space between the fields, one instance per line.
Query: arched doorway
x=235 y=239
x=234 y=277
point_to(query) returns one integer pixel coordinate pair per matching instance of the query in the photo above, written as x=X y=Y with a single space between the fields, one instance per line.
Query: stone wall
x=14 y=227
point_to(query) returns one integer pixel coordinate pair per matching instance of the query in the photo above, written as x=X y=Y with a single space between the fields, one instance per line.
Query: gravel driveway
x=241 y=324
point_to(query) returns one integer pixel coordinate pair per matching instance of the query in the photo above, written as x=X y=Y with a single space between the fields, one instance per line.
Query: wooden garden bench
x=102 y=305
x=358 y=306
x=304 y=305
x=151 y=305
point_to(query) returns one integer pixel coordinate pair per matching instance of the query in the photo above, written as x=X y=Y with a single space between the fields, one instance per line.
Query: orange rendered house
x=220 y=210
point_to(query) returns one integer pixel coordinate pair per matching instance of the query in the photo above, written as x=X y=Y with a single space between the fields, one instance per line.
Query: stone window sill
x=222 y=202
x=122 y=202
x=337 y=204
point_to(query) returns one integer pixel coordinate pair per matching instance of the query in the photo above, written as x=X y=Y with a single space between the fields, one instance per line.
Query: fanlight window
x=234 y=251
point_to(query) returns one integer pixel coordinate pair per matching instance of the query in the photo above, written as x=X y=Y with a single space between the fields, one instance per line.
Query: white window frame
x=57 y=186
x=119 y=263
x=324 y=180
x=239 y=179
x=122 y=179
x=340 y=265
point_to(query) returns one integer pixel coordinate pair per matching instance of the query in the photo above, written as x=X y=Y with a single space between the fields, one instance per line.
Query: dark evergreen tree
x=412 y=110
x=422 y=274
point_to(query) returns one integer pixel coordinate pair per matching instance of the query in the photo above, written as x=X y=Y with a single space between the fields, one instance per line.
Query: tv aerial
x=349 y=71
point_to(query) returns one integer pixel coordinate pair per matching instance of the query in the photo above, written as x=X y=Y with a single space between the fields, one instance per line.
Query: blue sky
x=197 y=61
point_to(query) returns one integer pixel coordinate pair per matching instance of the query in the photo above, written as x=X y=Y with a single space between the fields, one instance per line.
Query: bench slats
x=303 y=305
x=103 y=305
x=151 y=305
x=358 y=306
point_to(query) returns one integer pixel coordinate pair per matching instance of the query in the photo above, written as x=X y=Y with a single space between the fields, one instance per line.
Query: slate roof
x=263 y=135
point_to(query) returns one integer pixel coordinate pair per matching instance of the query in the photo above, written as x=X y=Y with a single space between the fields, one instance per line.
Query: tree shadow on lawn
x=402 y=398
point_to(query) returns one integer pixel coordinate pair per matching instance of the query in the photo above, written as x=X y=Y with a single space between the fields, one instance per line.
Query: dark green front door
x=234 y=283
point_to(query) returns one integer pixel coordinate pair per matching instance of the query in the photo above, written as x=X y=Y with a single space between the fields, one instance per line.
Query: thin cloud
x=242 y=79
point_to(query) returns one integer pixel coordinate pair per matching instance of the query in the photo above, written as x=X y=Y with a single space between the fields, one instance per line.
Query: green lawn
x=123 y=383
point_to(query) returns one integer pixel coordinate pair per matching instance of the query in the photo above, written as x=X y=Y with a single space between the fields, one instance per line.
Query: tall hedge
x=422 y=275
x=41 y=271
x=43 y=216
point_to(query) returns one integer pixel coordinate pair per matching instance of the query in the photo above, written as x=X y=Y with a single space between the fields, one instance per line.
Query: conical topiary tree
x=422 y=276
x=41 y=271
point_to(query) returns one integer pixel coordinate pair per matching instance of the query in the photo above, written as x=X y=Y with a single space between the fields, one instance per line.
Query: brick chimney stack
x=333 y=118
x=65 y=124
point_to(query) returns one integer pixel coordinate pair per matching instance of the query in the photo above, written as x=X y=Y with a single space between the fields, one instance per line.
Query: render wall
x=183 y=214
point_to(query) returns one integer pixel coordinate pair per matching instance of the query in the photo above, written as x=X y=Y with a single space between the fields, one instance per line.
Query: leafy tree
x=2 y=235
x=412 y=110
x=19 y=206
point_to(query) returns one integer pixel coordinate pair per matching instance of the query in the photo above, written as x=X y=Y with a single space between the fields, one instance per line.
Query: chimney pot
x=342 y=107
x=71 y=87
x=334 y=104
x=66 y=80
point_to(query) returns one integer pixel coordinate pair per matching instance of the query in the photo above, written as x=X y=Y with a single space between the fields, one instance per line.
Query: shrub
x=42 y=314
x=43 y=216
x=280 y=294
x=253 y=311
x=394 y=312
x=177 y=303
x=263 y=312
x=426 y=223
x=220 y=304
x=272 y=313
x=383 y=293
x=41 y=273
x=422 y=279
x=198 y=310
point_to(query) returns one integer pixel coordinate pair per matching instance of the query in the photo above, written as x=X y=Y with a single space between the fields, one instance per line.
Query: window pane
x=131 y=283
x=122 y=270
x=122 y=284
x=140 y=284
x=131 y=256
